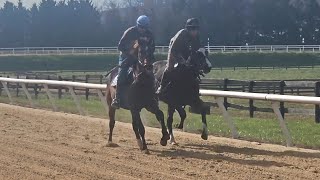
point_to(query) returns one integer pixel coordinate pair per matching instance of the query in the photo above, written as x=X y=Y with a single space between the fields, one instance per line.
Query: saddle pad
x=114 y=81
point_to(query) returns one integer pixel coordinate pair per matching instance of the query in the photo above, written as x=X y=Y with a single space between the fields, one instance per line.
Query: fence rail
x=159 y=49
x=305 y=87
x=218 y=95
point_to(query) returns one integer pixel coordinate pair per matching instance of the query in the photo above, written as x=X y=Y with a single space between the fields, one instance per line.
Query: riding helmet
x=143 y=22
x=193 y=23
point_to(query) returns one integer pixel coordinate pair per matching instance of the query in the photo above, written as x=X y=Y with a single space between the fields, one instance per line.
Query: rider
x=139 y=32
x=181 y=46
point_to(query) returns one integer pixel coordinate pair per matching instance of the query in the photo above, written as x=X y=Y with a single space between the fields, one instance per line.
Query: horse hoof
x=111 y=144
x=146 y=151
x=140 y=144
x=178 y=126
x=163 y=142
x=174 y=143
x=204 y=136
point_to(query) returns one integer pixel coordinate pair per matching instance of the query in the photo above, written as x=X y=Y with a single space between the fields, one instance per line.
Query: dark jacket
x=130 y=36
x=180 y=48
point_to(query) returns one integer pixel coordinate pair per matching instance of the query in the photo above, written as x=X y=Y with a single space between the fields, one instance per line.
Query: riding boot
x=116 y=101
x=121 y=79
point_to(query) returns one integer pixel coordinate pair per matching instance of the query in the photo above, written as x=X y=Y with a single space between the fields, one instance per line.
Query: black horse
x=184 y=88
x=139 y=94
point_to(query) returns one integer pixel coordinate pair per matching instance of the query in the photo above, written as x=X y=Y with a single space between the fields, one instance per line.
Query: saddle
x=129 y=79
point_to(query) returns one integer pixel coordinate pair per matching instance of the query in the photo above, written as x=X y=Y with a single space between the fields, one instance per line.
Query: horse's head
x=200 y=60
x=144 y=68
x=143 y=52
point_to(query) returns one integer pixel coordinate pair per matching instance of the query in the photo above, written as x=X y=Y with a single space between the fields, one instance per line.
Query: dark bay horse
x=139 y=94
x=184 y=89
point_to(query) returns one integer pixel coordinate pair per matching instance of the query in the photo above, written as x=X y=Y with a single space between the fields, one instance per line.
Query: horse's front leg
x=160 y=117
x=199 y=104
x=171 y=110
x=139 y=131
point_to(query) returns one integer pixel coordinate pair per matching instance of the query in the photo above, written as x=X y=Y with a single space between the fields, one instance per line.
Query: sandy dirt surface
x=38 y=144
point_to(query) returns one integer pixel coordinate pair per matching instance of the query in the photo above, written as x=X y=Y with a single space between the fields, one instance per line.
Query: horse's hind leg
x=160 y=118
x=139 y=131
x=183 y=116
x=112 y=115
x=205 y=133
x=202 y=106
x=171 y=110
x=112 y=121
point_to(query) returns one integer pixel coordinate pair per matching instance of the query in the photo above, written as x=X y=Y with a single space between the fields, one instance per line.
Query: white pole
x=50 y=97
x=24 y=87
x=7 y=91
x=227 y=118
x=76 y=100
x=103 y=99
x=283 y=125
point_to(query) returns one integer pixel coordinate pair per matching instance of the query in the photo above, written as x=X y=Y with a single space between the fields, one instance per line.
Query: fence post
x=282 y=108
x=225 y=88
x=317 y=107
x=36 y=89
x=17 y=88
x=283 y=125
x=8 y=84
x=5 y=86
x=227 y=118
x=251 y=105
x=0 y=87
x=87 y=90
x=101 y=79
x=59 y=88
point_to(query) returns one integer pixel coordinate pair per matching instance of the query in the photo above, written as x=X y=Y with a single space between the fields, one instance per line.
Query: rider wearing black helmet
x=139 y=32
x=181 y=46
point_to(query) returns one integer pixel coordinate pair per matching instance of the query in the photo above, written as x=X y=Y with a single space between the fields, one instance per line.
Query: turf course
x=103 y=62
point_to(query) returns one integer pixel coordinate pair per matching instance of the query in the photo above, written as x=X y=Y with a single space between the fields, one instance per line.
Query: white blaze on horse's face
x=203 y=51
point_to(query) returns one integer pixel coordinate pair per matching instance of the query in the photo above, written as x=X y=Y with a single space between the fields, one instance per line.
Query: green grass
x=104 y=62
x=263 y=128
x=265 y=59
x=266 y=74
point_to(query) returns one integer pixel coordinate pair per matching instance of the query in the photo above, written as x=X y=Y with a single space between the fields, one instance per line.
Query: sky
x=28 y=3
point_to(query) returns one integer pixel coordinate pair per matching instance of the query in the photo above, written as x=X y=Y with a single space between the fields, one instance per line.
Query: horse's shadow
x=198 y=152
x=251 y=151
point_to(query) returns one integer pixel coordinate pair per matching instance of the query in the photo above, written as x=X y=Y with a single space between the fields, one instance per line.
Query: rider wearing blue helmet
x=139 y=32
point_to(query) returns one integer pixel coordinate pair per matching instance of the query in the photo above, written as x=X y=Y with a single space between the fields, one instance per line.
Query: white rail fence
x=218 y=95
x=159 y=49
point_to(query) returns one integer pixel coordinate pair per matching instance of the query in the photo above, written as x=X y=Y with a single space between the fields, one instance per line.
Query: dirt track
x=37 y=144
